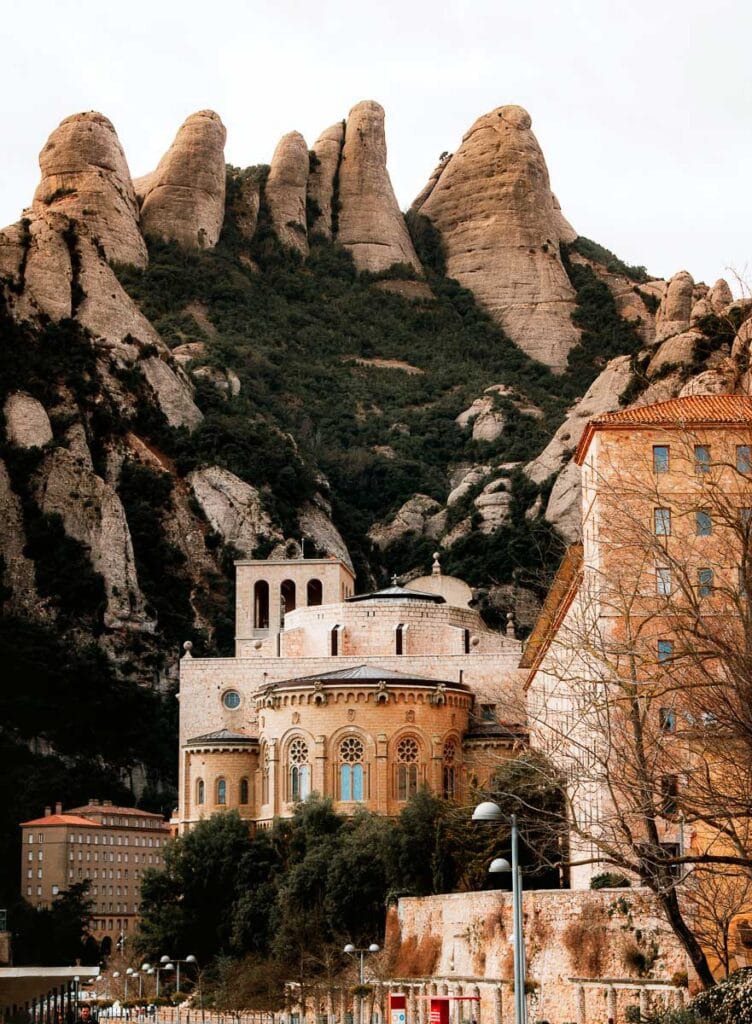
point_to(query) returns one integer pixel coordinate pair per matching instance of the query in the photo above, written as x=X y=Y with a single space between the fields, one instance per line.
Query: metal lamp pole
x=489 y=811
x=350 y=950
x=170 y=960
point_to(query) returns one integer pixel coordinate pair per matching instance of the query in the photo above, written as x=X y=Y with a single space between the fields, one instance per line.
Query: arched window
x=200 y=791
x=261 y=605
x=243 y=791
x=351 y=769
x=334 y=644
x=286 y=599
x=221 y=792
x=407 y=767
x=265 y=775
x=299 y=771
x=449 y=780
x=399 y=639
x=314 y=593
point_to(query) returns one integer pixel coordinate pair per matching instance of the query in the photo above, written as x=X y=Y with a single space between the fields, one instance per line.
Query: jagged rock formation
x=322 y=179
x=183 y=199
x=371 y=225
x=286 y=191
x=85 y=176
x=234 y=509
x=416 y=516
x=676 y=306
x=93 y=514
x=315 y=521
x=492 y=203
x=18 y=569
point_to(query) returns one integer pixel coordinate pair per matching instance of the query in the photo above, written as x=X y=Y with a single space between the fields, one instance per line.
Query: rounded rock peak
x=89 y=115
x=518 y=117
x=205 y=115
x=367 y=107
x=292 y=137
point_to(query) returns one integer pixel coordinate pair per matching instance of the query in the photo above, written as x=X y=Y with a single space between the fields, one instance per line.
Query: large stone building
x=110 y=847
x=360 y=697
x=626 y=666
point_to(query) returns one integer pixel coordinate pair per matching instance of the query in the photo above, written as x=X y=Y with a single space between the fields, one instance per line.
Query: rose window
x=407 y=750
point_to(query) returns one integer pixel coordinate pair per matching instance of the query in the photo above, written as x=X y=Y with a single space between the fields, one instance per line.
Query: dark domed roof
x=398 y=594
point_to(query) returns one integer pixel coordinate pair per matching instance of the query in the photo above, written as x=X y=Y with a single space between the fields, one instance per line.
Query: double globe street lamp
x=363 y=952
x=169 y=961
x=489 y=811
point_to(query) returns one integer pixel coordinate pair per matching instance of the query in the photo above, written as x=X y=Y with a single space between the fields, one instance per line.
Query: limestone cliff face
x=183 y=199
x=371 y=225
x=286 y=191
x=492 y=203
x=85 y=175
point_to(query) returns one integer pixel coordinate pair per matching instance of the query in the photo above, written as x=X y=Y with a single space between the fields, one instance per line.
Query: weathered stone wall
x=578 y=948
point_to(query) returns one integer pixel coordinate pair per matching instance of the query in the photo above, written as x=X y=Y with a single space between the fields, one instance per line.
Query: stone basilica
x=364 y=698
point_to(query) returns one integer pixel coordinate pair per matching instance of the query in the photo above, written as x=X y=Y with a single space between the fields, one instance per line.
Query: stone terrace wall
x=578 y=947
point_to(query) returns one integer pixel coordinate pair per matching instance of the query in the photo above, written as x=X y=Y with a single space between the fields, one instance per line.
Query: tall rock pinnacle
x=183 y=199
x=327 y=151
x=371 y=224
x=85 y=176
x=501 y=227
x=286 y=191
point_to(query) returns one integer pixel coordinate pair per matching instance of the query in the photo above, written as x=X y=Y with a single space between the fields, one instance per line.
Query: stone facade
x=361 y=698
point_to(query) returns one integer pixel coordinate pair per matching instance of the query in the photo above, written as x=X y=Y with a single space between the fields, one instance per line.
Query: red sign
x=439 y=1010
x=397 y=1008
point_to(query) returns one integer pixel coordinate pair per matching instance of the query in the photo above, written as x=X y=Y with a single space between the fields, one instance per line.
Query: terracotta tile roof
x=558 y=600
x=691 y=411
x=110 y=809
x=63 y=819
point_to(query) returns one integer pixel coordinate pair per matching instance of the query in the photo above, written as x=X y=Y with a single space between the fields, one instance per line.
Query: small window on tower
x=660 y=458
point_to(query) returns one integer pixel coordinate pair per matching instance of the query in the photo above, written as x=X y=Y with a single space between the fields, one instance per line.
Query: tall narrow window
x=665 y=650
x=670 y=794
x=334 y=641
x=705 y=582
x=261 y=605
x=703 y=523
x=299 y=769
x=449 y=779
x=660 y=458
x=663 y=580
x=351 y=769
x=243 y=791
x=407 y=768
x=286 y=599
x=466 y=640
x=221 y=792
x=200 y=791
x=667 y=719
x=314 y=593
x=662 y=522
x=702 y=458
x=265 y=775
x=743 y=458
x=399 y=639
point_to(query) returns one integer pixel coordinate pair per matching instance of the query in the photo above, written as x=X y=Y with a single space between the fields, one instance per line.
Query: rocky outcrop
x=719 y=296
x=327 y=152
x=173 y=393
x=564 y=508
x=45 y=263
x=286 y=191
x=234 y=508
x=315 y=522
x=487 y=418
x=92 y=513
x=246 y=207
x=371 y=224
x=602 y=396
x=26 y=421
x=413 y=517
x=183 y=199
x=493 y=205
x=18 y=570
x=676 y=306
x=677 y=350
x=85 y=176
x=494 y=503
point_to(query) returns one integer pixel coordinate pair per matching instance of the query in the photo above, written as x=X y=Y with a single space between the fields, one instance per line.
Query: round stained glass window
x=231 y=699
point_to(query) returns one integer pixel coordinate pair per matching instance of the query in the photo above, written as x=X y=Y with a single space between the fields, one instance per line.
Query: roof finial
x=436 y=567
x=510 y=630
x=394 y=579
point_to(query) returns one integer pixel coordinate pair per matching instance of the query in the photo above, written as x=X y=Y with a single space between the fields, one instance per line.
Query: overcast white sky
x=643 y=109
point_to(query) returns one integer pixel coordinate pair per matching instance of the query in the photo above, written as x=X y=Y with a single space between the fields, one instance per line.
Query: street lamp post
x=76 y=980
x=351 y=950
x=190 y=959
x=489 y=811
